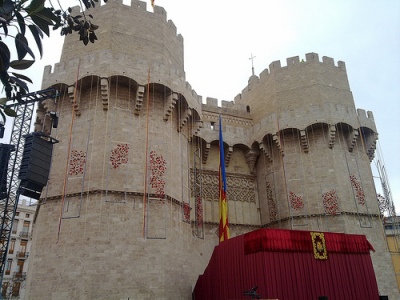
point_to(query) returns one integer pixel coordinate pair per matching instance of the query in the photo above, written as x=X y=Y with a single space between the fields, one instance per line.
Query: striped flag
x=152 y=3
x=223 y=202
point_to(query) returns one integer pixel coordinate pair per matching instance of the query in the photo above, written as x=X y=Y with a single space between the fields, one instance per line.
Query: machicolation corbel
x=228 y=156
x=352 y=139
x=304 y=140
x=206 y=151
x=185 y=118
x=104 y=90
x=251 y=158
x=169 y=105
x=266 y=150
x=139 y=99
x=332 y=136
x=74 y=98
x=277 y=141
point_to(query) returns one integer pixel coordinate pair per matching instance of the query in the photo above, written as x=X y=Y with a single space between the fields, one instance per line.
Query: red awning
x=300 y=241
x=281 y=263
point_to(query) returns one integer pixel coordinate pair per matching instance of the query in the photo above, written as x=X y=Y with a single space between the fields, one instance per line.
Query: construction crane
x=9 y=201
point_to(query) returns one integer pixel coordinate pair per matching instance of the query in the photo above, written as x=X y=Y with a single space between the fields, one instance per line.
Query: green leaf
x=3 y=101
x=21 y=44
x=21 y=64
x=87 y=3
x=35 y=6
x=93 y=26
x=20 y=41
x=92 y=36
x=42 y=24
x=37 y=34
x=3 y=116
x=20 y=83
x=22 y=77
x=4 y=25
x=49 y=15
x=4 y=57
x=6 y=8
x=10 y=112
x=21 y=22
x=39 y=31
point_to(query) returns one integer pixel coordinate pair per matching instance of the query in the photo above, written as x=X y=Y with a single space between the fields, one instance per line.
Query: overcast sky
x=220 y=36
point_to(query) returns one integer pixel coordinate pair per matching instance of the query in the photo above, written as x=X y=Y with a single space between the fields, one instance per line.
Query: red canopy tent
x=290 y=265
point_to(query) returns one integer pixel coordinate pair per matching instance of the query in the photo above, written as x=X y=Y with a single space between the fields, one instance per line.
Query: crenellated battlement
x=150 y=43
x=366 y=119
x=226 y=107
x=135 y=6
x=295 y=60
x=149 y=39
x=291 y=62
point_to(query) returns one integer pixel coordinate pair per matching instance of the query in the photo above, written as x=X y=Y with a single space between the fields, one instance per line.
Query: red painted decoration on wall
x=331 y=203
x=77 y=162
x=199 y=212
x=360 y=196
x=296 y=201
x=157 y=168
x=273 y=211
x=186 y=212
x=119 y=155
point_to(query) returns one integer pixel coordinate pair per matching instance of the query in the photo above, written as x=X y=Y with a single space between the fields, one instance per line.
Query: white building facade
x=14 y=280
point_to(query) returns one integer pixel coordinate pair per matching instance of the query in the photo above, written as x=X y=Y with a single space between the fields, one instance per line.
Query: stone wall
x=138 y=156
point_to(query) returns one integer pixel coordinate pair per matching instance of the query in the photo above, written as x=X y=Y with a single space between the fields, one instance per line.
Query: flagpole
x=224 y=233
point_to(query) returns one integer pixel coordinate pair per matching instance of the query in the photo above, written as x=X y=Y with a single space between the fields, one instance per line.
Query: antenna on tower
x=252 y=65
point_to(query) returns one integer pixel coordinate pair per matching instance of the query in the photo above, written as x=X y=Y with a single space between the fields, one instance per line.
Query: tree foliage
x=18 y=18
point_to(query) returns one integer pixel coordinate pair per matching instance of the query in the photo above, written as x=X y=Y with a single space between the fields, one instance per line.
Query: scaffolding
x=21 y=126
x=386 y=204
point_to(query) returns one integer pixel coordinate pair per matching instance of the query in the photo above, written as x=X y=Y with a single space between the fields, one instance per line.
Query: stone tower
x=131 y=206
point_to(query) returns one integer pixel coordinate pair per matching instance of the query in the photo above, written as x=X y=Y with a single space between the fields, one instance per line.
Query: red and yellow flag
x=152 y=3
x=223 y=201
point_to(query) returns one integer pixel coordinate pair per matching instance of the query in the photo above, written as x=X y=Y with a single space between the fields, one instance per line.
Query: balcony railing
x=19 y=275
x=24 y=234
x=21 y=254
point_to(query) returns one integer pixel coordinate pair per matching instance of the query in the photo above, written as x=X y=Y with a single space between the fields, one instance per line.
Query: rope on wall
x=171 y=145
x=312 y=164
x=297 y=139
x=57 y=109
x=90 y=157
x=144 y=227
x=68 y=153
x=80 y=127
x=282 y=160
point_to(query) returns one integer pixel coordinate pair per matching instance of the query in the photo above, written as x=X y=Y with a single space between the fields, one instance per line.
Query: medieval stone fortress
x=131 y=206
